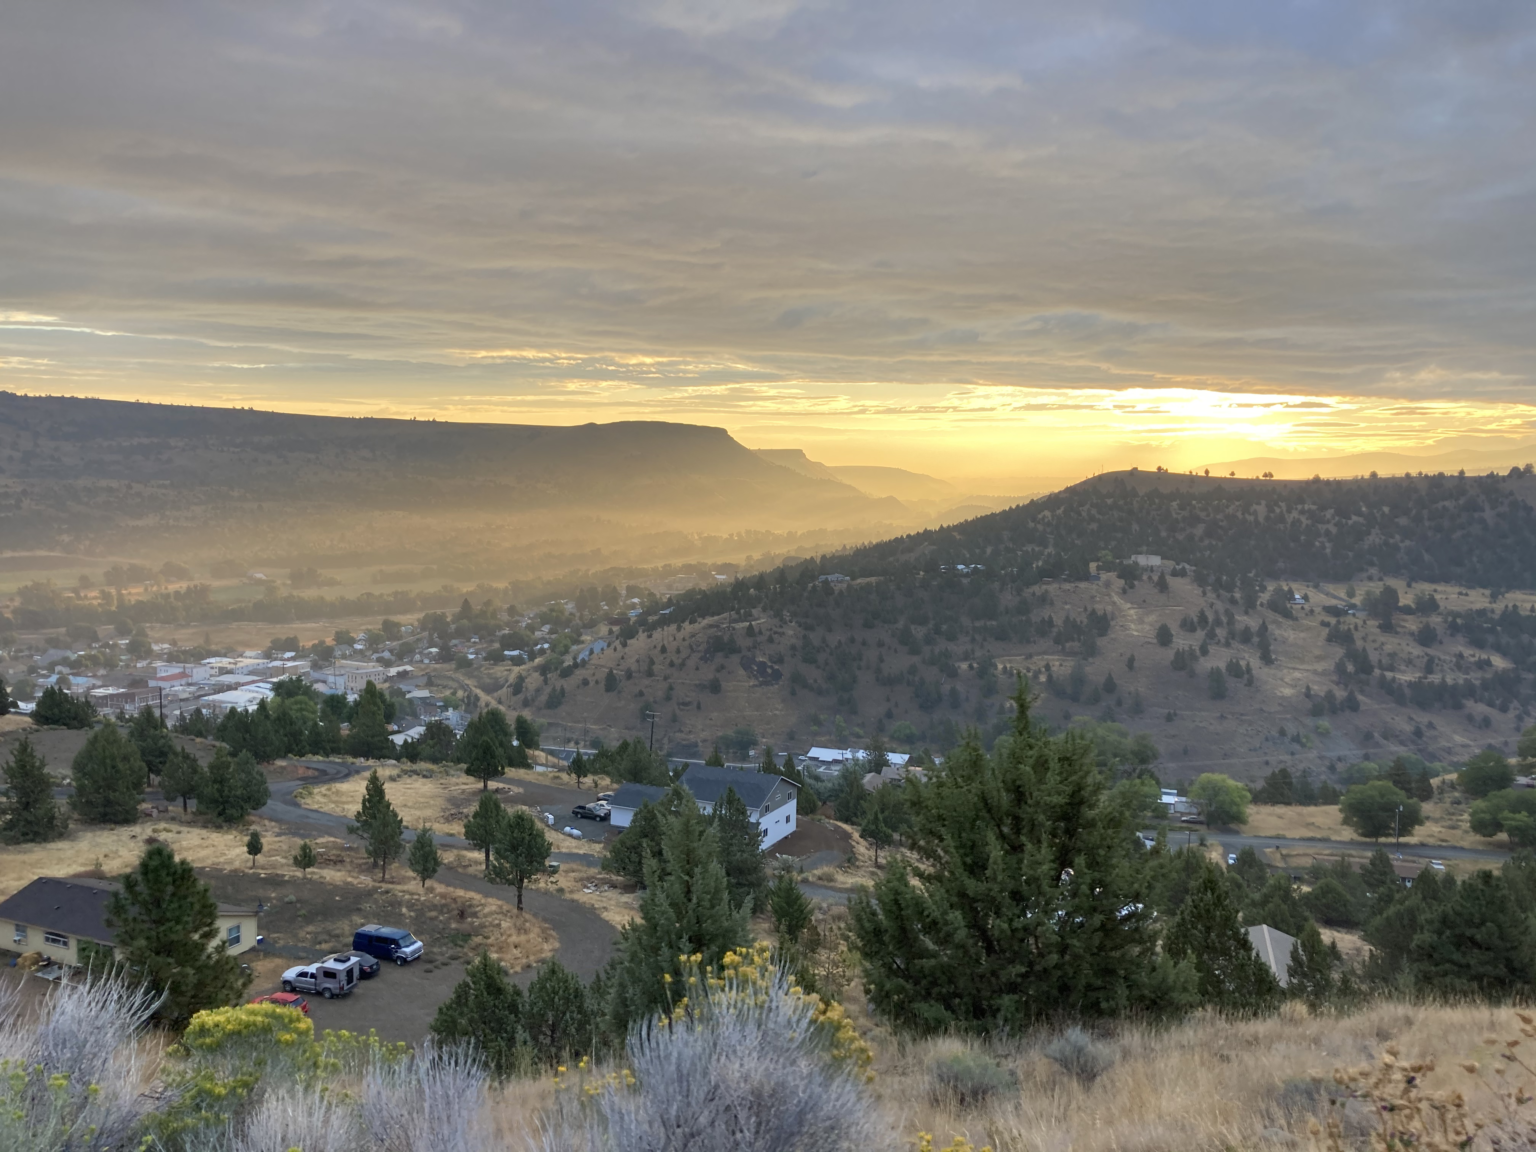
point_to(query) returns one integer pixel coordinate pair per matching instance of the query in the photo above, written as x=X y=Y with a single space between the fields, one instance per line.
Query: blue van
x=388 y=943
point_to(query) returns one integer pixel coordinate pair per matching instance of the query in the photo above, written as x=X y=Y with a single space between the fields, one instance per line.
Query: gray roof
x=1274 y=948
x=709 y=784
x=73 y=905
x=634 y=795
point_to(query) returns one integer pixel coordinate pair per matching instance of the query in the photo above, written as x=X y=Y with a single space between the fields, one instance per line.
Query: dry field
x=1445 y=823
x=442 y=797
x=517 y=940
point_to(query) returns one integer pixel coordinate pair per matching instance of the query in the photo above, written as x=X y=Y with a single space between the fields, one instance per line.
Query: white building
x=1147 y=560
x=770 y=800
x=831 y=760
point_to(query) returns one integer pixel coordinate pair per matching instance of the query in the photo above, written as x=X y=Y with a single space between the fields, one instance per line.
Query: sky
x=981 y=240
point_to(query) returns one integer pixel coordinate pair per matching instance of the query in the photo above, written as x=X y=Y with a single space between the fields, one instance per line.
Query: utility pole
x=650 y=714
x=1396 y=825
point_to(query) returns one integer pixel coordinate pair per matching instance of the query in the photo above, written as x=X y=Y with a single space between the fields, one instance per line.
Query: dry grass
x=1208 y=1083
x=598 y=891
x=1445 y=823
x=444 y=799
x=14 y=722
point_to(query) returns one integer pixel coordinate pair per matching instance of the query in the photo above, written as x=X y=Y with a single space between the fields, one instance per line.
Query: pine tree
x=109 y=778
x=790 y=908
x=57 y=708
x=253 y=846
x=424 y=860
x=1382 y=886
x=305 y=858
x=231 y=789
x=487 y=747
x=379 y=824
x=153 y=740
x=579 y=768
x=557 y=1016
x=31 y=815
x=368 y=736
x=876 y=831
x=165 y=923
x=1476 y=944
x=481 y=827
x=1208 y=934
x=1310 y=974
x=807 y=803
x=1392 y=931
x=181 y=776
x=1063 y=925
x=716 y=759
x=251 y=790
x=519 y=853
x=686 y=911
x=1277 y=905
x=6 y=703
x=485 y=1010
x=741 y=853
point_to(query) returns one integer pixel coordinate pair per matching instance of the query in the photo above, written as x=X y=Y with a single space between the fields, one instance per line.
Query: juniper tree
x=181 y=776
x=790 y=908
x=305 y=858
x=1476 y=943
x=1310 y=971
x=31 y=815
x=556 y=1015
x=480 y=828
x=368 y=735
x=519 y=853
x=741 y=853
x=253 y=846
x=686 y=911
x=109 y=778
x=1024 y=901
x=643 y=838
x=165 y=923
x=380 y=826
x=153 y=740
x=485 y=1009
x=423 y=859
x=1209 y=936
x=486 y=747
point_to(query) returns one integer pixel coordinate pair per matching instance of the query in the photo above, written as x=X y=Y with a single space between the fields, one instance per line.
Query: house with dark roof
x=770 y=799
x=54 y=915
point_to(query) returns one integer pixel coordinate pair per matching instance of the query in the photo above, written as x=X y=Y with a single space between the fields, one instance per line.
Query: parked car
x=590 y=812
x=284 y=1000
x=387 y=943
x=368 y=967
x=1231 y=858
x=331 y=977
x=605 y=796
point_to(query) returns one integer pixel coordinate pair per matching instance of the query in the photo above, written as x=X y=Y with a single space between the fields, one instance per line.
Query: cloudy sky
x=971 y=238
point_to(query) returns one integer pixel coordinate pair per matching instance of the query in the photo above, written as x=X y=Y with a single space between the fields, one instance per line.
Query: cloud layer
x=876 y=218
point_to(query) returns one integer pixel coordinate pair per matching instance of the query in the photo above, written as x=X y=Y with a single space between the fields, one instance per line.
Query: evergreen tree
x=1310 y=975
x=251 y=790
x=368 y=737
x=1382 y=887
x=485 y=1010
x=56 y=708
x=30 y=814
x=379 y=824
x=579 y=768
x=716 y=759
x=686 y=911
x=423 y=859
x=305 y=858
x=437 y=742
x=181 y=776
x=790 y=908
x=1423 y=785
x=6 y=703
x=526 y=735
x=231 y=789
x=848 y=803
x=1377 y=809
x=807 y=803
x=487 y=747
x=642 y=840
x=165 y=923
x=519 y=853
x=1485 y=773
x=741 y=853
x=557 y=1016
x=1392 y=931
x=1276 y=904
x=153 y=740
x=1028 y=901
x=480 y=829
x=1251 y=870
x=108 y=777
x=263 y=740
x=1207 y=934
x=1476 y=944
x=875 y=830
x=253 y=846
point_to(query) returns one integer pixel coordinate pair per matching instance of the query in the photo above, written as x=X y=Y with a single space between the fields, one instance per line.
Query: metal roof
x=633 y=795
x=708 y=784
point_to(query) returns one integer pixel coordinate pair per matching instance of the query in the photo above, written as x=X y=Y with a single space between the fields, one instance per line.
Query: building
x=1147 y=560
x=1274 y=948
x=830 y=760
x=54 y=915
x=770 y=799
x=832 y=578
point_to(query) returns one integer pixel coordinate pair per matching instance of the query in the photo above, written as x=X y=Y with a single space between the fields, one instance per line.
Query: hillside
x=918 y=651
x=154 y=482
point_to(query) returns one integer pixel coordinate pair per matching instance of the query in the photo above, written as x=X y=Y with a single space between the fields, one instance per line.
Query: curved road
x=586 y=939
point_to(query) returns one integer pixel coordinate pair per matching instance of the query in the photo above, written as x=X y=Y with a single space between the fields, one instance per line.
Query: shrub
x=749 y=1061
x=1079 y=1055
x=434 y=1102
x=968 y=1077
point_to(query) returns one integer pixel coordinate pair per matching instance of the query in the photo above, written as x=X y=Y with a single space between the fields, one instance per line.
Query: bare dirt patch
x=614 y=899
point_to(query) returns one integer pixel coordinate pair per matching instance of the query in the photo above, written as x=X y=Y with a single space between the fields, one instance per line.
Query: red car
x=284 y=1000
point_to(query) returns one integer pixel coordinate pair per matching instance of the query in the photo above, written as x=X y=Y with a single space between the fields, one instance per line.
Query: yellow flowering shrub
x=958 y=1144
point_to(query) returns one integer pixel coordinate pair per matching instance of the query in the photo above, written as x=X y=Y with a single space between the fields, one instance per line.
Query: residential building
x=628 y=800
x=53 y=915
x=1147 y=560
x=770 y=799
x=1274 y=948
x=831 y=760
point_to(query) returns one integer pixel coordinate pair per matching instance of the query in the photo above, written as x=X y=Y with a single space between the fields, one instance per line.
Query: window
x=232 y=936
x=57 y=940
x=20 y=936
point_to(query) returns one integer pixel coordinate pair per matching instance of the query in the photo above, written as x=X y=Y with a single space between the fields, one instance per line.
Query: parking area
x=594 y=832
x=398 y=1003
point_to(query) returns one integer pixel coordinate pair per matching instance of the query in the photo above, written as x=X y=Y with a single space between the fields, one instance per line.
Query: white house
x=770 y=799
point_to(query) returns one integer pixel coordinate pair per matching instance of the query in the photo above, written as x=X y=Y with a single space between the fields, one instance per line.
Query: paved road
x=1235 y=841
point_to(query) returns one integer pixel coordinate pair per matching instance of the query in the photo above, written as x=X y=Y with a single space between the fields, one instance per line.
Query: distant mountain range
x=1382 y=463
